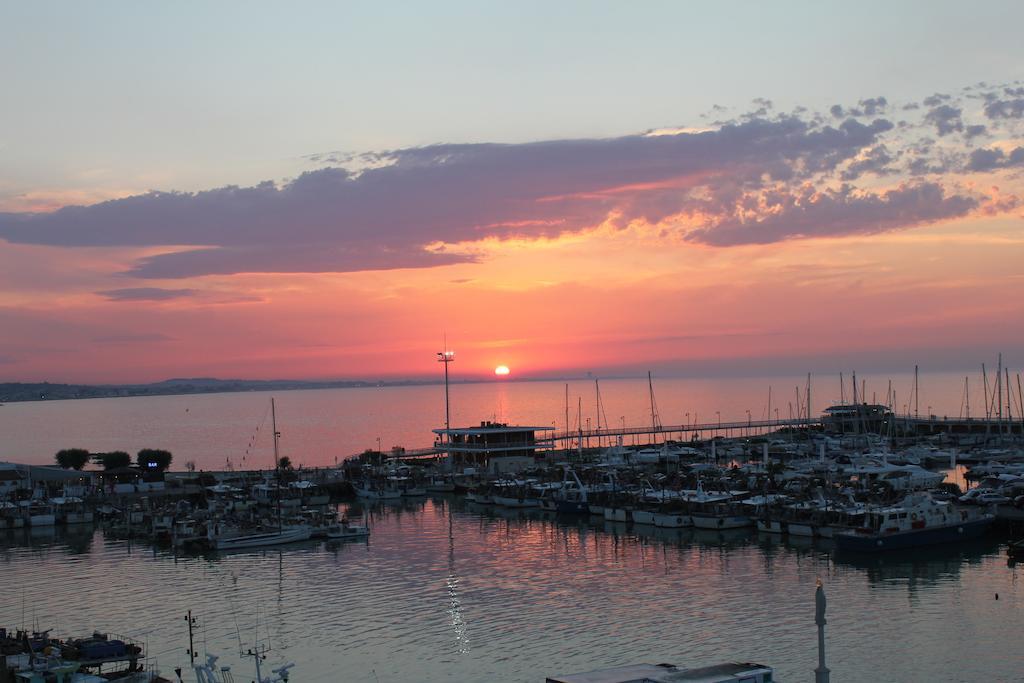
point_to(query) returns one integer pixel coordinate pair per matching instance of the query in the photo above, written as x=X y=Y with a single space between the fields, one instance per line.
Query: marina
x=668 y=525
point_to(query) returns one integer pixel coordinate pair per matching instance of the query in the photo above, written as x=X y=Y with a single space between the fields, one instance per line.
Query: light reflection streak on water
x=455 y=611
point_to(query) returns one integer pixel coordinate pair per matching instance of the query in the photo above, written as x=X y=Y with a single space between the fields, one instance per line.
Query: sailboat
x=222 y=536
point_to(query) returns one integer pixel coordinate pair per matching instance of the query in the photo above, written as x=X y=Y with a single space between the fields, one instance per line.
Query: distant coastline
x=15 y=392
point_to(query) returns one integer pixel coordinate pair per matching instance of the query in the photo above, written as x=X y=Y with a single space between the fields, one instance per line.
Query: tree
x=285 y=463
x=113 y=460
x=153 y=459
x=73 y=458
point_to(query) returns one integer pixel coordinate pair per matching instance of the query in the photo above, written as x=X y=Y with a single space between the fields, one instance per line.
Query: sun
x=501 y=370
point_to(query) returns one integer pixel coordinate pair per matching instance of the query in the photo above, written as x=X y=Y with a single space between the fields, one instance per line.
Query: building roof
x=491 y=428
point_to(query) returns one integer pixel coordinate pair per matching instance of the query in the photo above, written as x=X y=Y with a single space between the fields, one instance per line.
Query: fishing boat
x=10 y=516
x=371 y=491
x=344 y=530
x=310 y=493
x=38 y=513
x=515 y=494
x=223 y=537
x=918 y=520
x=440 y=484
x=71 y=510
x=571 y=498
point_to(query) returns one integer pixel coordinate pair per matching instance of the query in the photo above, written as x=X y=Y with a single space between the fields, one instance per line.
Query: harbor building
x=493 y=447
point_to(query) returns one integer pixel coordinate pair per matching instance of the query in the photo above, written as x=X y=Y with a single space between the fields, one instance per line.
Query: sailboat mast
x=277 y=460
x=984 y=379
x=1009 y=402
x=999 y=394
x=917 y=392
x=579 y=425
x=808 y=402
x=597 y=409
x=967 y=393
x=273 y=426
x=650 y=390
x=567 y=426
x=1020 y=404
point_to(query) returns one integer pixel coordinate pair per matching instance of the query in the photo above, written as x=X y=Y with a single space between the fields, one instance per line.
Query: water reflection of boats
x=77 y=539
x=927 y=565
x=672 y=536
x=725 y=537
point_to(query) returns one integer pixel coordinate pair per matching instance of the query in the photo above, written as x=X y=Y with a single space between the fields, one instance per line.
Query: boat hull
x=771 y=526
x=516 y=502
x=951 y=533
x=643 y=517
x=336 y=533
x=571 y=507
x=723 y=522
x=672 y=520
x=262 y=540
x=805 y=530
x=616 y=514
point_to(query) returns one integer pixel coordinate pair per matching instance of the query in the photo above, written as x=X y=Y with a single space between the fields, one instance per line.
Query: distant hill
x=12 y=392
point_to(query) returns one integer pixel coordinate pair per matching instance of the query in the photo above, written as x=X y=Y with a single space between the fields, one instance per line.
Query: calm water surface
x=320 y=427
x=446 y=592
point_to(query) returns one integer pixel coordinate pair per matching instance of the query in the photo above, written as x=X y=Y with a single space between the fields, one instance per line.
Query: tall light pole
x=446 y=357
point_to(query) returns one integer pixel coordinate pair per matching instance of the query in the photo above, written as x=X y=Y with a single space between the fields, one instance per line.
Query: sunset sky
x=325 y=190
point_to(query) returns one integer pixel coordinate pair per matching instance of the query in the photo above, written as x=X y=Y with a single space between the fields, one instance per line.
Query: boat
x=515 y=494
x=221 y=537
x=10 y=516
x=38 y=513
x=746 y=672
x=406 y=487
x=713 y=511
x=71 y=510
x=440 y=484
x=310 y=493
x=571 y=498
x=344 y=530
x=918 y=520
x=37 y=657
x=371 y=491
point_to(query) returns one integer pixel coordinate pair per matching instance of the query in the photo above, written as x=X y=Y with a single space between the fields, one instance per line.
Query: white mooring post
x=822 y=672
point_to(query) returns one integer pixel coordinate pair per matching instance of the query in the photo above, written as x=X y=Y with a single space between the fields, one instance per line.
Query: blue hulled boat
x=917 y=521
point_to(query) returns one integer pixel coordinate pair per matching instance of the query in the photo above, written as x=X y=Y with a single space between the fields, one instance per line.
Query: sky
x=330 y=190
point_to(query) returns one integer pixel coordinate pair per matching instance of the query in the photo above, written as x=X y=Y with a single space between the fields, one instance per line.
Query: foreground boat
x=919 y=520
x=221 y=538
x=667 y=673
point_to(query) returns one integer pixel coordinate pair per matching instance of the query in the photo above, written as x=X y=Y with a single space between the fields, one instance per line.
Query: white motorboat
x=232 y=538
x=371 y=491
x=344 y=530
